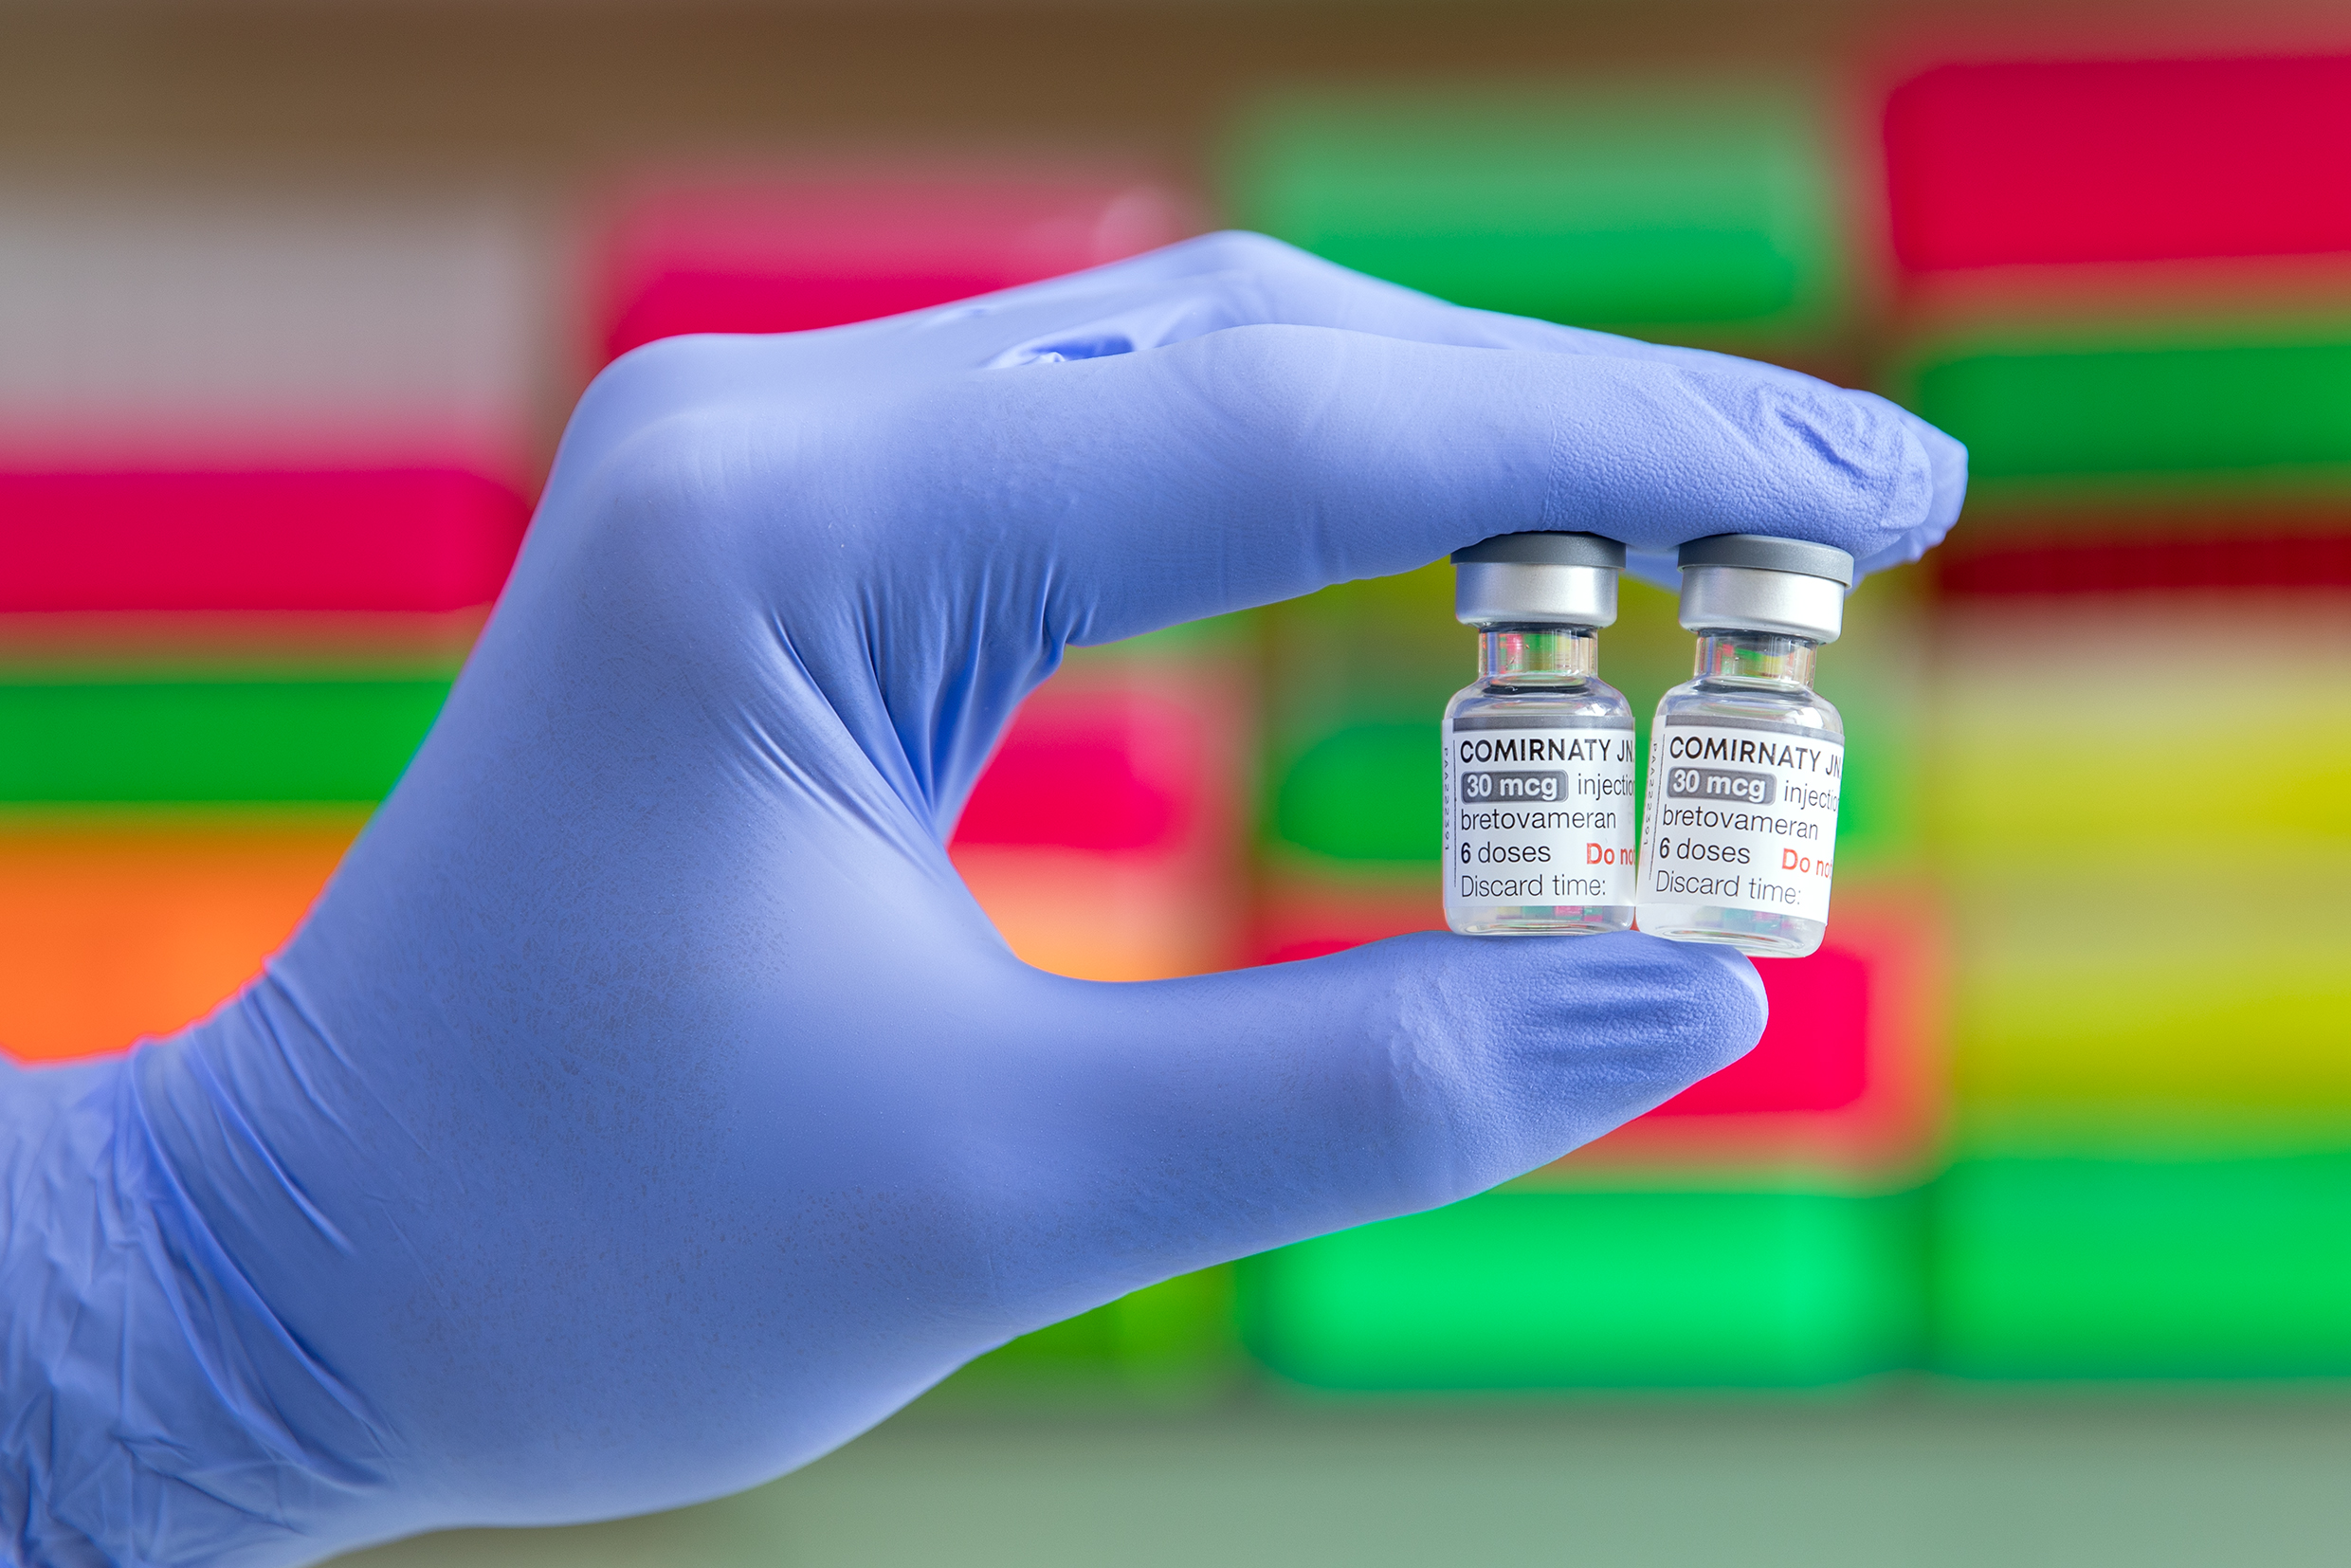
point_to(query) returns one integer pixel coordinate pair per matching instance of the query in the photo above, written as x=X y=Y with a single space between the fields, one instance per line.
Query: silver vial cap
x=1538 y=579
x=1753 y=582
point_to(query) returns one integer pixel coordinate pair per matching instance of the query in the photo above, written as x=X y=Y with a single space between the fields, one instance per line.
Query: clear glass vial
x=1746 y=761
x=1540 y=817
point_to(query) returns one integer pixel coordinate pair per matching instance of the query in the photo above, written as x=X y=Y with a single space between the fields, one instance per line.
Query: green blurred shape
x=1355 y=685
x=2087 y=1268
x=1705 y=203
x=1872 y=821
x=1875 y=674
x=2174 y=1132
x=274 y=740
x=1371 y=792
x=2027 y=411
x=1170 y=1338
x=1540 y=1289
x=1877 y=811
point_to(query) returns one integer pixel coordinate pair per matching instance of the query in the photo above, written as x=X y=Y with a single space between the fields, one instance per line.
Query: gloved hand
x=646 y=1108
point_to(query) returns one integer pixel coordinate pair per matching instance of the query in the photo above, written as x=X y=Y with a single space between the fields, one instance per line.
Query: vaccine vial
x=1746 y=763
x=1539 y=751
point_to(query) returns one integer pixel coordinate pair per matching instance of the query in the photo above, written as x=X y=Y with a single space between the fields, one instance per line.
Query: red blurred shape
x=1106 y=771
x=792 y=254
x=2071 y=562
x=2120 y=161
x=1847 y=1077
x=419 y=540
x=1316 y=947
x=1815 y=1054
x=1844 y=1074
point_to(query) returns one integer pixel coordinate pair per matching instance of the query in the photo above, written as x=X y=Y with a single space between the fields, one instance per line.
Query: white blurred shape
x=143 y=325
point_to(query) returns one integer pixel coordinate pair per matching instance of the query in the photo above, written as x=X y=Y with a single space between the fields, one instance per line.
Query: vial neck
x=1537 y=655
x=1755 y=659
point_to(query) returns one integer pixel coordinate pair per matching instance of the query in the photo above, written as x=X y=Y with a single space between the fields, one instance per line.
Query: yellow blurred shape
x=2200 y=740
x=114 y=929
x=2154 y=990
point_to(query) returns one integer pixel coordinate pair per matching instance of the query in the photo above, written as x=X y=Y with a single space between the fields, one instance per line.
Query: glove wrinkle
x=219 y=1430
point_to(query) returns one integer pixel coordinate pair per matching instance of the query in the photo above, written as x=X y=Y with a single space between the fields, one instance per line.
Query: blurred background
x=2025 y=1237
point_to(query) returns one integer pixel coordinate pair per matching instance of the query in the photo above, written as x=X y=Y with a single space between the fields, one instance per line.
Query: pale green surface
x=1904 y=1479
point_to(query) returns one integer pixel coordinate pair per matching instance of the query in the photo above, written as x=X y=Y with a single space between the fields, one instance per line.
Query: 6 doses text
x=1539 y=815
x=1744 y=817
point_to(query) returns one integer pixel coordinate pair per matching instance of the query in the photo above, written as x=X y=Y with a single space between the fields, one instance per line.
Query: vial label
x=1742 y=815
x=1538 y=811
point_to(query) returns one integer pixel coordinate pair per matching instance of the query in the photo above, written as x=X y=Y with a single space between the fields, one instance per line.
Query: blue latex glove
x=646 y=1108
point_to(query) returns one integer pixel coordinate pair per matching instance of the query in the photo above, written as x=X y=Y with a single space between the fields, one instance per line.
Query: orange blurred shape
x=1100 y=916
x=110 y=931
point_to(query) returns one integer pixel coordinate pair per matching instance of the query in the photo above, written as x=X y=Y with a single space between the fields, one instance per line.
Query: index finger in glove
x=1130 y=492
x=1222 y=281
